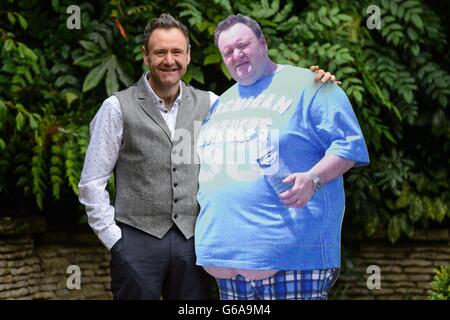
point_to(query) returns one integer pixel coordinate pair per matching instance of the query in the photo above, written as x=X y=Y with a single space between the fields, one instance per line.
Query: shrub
x=440 y=286
x=53 y=80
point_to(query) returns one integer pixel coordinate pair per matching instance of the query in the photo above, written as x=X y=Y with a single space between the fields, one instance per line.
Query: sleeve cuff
x=110 y=236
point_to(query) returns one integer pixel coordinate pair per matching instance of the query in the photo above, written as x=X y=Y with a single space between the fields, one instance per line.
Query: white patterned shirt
x=101 y=156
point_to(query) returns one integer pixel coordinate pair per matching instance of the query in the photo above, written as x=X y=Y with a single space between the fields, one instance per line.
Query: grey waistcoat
x=153 y=189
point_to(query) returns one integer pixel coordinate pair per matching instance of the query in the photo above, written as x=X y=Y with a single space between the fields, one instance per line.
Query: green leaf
x=11 y=18
x=389 y=136
x=429 y=207
x=23 y=23
x=55 y=5
x=9 y=45
x=412 y=34
x=33 y=122
x=358 y=96
x=20 y=121
x=394 y=8
x=326 y=21
x=322 y=11
x=344 y=17
x=27 y=52
x=3 y=110
x=2 y=144
x=88 y=61
x=372 y=223
x=115 y=13
x=90 y=46
x=406 y=226
x=403 y=201
x=94 y=77
x=66 y=79
x=70 y=96
x=225 y=71
x=441 y=210
x=111 y=81
x=187 y=77
x=417 y=21
x=197 y=74
x=123 y=77
x=415 y=49
x=334 y=11
x=225 y=4
x=212 y=59
x=394 y=229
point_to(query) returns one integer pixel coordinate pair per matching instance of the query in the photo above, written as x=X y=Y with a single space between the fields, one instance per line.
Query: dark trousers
x=146 y=267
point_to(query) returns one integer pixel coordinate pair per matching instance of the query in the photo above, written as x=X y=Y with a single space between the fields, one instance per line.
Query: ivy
x=53 y=80
x=440 y=286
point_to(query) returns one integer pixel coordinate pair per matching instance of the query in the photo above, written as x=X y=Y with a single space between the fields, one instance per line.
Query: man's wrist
x=317 y=183
x=110 y=235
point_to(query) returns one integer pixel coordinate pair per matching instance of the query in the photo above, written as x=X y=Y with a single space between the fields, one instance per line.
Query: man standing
x=139 y=134
x=273 y=151
x=133 y=134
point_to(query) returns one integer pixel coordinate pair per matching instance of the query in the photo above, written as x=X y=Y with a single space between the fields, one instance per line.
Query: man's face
x=168 y=57
x=243 y=53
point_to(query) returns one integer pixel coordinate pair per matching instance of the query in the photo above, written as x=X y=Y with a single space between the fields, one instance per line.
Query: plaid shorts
x=284 y=285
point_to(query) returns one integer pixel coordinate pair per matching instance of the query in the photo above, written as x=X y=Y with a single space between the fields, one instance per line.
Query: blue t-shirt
x=242 y=223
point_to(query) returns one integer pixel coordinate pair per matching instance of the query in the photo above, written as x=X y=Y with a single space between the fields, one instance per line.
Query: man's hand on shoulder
x=323 y=76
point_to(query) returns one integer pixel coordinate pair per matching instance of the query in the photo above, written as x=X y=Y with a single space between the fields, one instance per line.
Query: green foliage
x=53 y=80
x=100 y=56
x=440 y=287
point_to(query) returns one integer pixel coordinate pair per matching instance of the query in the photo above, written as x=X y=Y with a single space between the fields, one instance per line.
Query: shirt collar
x=161 y=101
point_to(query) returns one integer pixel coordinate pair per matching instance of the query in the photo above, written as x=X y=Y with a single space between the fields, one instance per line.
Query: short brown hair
x=234 y=19
x=164 y=21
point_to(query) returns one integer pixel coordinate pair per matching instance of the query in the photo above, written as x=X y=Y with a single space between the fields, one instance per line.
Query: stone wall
x=406 y=268
x=35 y=266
